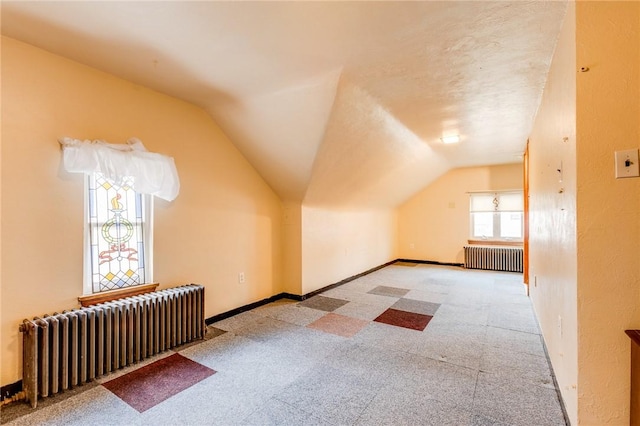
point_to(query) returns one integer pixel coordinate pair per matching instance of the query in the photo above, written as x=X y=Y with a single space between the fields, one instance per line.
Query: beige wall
x=552 y=226
x=339 y=244
x=608 y=210
x=226 y=220
x=585 y=241
x=292 y=248
x=434 y=223
x=2 y=382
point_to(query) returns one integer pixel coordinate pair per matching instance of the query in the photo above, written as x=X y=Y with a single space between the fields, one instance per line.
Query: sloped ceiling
x=334 y=103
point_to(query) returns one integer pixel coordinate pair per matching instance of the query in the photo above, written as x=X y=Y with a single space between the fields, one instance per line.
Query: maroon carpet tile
x=150 y=385
x=404 y=319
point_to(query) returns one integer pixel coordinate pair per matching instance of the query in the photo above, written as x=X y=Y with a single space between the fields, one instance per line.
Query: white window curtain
x=153 y=173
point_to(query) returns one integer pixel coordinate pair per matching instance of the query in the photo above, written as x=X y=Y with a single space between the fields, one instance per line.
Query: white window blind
x=496 y=202
x=511 y=202
x=482 y=203
x=496 y=216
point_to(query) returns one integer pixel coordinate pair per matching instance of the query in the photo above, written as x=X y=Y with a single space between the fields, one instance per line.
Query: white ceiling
x=334 y=103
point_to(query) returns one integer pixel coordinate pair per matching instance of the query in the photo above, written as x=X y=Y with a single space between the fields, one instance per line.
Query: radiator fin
x=63 y=350
x=508 y=259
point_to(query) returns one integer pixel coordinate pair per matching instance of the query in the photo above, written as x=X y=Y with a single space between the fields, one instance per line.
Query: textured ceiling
x=334 y=103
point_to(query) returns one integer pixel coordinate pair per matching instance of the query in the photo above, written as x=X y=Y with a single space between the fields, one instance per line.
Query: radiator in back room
x=66 y=349
x=508 y=259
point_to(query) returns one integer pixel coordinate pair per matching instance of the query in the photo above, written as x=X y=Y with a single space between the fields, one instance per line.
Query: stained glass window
x=116 y=234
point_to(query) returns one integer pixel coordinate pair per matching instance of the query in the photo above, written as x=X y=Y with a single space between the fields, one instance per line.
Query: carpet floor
x=405 y=345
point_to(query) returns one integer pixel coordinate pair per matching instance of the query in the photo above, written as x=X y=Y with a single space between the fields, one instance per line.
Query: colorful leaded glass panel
x=116 y=234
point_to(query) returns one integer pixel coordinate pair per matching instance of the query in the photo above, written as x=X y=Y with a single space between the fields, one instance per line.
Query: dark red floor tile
x=156 y=382
x=404 y=319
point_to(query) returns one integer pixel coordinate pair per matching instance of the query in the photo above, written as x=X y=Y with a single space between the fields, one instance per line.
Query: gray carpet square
x=361 y=310
x=292 y=313
x=277 y=413
x=382 y=290
x=322 y=303
x=308 y=344
x=445 y=382
x=512 y=317
x=387 y=336
x=237 y=321
x=450 y=350
x=266 y=329
x=375 y=365
x=516 y=402
x=213 y=332
x=398 y=408
x=427 y=296
x=206 y=403
x=515 y=341
x=439 y=331
x=336 y=396
x=462 y=314
x=416 y=306
x=532 y=368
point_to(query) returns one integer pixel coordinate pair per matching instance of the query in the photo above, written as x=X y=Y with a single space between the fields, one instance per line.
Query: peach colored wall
x=1 y=303
x=434 y=223
x=585 y=241
x=292 y=248
x=338 y=244
x=226 y=219
x=552 y=226
x=608 y=209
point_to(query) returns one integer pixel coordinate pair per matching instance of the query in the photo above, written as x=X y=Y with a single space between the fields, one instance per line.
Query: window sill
x=495 y=243
x=107 y=296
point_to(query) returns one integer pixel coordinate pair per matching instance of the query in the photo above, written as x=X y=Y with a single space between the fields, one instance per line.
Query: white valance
x=153 y=174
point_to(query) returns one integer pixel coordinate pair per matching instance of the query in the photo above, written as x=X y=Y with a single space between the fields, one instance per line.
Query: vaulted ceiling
x=334 y=103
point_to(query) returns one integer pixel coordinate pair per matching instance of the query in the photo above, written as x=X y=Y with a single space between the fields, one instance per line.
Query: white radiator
x=509 y=259
x=65 y=349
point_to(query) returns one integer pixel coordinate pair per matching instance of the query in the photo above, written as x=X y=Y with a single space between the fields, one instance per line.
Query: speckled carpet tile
x=339 y=324
x=150 y=385
x=404 y=319
x=424 y=344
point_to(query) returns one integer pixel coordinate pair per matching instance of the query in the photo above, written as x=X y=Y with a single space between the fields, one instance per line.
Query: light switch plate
x=627 y=164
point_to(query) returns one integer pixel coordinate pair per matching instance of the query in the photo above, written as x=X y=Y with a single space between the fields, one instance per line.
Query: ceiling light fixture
x=450 y=139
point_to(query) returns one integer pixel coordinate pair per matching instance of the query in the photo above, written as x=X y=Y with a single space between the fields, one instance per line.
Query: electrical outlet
x=627 y=164
x=241 y=277
x=535 y=281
